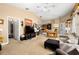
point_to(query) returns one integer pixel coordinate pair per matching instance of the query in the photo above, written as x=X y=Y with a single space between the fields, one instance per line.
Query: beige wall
x=7 y=10
x=60 y=20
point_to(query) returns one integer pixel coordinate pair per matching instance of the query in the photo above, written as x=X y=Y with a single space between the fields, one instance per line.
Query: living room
x=39 y=29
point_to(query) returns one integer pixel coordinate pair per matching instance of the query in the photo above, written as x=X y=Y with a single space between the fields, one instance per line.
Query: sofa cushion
x=60 y=52
x=65 y=47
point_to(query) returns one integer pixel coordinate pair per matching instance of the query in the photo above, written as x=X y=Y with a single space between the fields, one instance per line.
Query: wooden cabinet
x=52 y=34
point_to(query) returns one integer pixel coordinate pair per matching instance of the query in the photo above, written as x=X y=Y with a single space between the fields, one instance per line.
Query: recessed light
x=26 y=8
x=40 y=16
x=38 y=6
x=52 y=5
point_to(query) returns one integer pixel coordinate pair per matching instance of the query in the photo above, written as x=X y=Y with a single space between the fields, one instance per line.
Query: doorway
x=13 y=28
x=10 y=29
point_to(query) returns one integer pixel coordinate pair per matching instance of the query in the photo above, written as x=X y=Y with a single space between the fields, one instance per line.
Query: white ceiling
x=47 y=11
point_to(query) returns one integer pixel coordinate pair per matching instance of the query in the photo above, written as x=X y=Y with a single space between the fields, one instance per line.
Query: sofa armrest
x=60 y=52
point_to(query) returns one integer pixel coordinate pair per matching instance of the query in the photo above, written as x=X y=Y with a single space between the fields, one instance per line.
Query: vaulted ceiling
x=47 y=11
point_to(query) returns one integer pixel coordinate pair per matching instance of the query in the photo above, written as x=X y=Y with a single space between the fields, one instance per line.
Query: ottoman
x=51 y=44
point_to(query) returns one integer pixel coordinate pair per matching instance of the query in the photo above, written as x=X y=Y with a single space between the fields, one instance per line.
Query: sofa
x=27 y=36
x=66 y=49
x=28 y=33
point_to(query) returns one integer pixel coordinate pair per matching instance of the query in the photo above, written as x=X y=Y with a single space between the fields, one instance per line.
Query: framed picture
x=1 y=21
x=28 y=22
